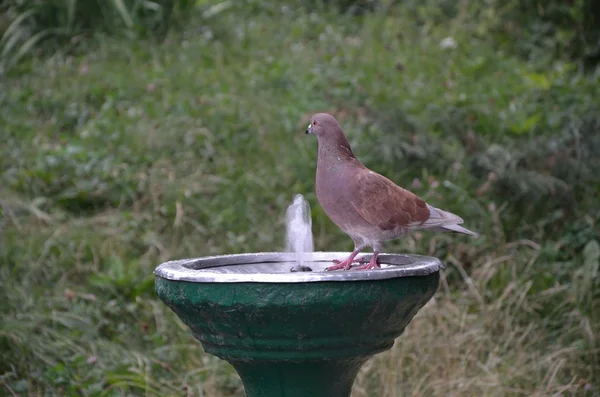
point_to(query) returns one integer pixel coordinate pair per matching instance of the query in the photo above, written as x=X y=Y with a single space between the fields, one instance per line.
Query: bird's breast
x=334 y=195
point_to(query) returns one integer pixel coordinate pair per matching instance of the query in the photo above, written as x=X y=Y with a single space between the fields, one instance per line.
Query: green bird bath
x=296 y=334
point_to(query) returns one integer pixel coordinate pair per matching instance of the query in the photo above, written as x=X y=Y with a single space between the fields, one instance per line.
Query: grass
x=137 y=152
x=34 y=26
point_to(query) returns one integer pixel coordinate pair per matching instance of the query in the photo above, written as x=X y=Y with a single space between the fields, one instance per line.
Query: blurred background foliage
x=134 y=132
x=545 y=28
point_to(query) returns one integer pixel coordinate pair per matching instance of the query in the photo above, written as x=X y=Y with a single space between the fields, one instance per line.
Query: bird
x=367 y=206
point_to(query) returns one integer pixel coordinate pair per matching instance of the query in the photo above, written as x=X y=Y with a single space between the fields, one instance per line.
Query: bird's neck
x=334 y=153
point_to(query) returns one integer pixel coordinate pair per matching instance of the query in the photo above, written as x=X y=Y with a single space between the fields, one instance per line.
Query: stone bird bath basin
x=296 y=334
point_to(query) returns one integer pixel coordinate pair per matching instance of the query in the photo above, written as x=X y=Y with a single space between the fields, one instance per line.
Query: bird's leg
x=372 y=263
x=346 y=264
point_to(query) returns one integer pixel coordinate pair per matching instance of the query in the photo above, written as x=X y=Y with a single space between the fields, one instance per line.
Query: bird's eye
x=314 y=123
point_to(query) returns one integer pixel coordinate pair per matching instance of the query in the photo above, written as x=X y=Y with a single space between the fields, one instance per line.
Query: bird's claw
x=345 y=264
x=360 y=260
x=371 y=265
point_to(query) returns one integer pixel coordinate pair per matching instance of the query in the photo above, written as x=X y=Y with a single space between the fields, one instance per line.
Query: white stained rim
x=275 y=267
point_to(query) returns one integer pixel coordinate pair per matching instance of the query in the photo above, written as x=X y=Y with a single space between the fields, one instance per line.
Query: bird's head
x=323 y=124
x=328 y=132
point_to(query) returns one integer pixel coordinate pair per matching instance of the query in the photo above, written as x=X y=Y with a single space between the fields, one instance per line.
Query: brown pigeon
x=367 y=206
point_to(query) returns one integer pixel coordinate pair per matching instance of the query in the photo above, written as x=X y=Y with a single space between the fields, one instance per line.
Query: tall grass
x=32 y=25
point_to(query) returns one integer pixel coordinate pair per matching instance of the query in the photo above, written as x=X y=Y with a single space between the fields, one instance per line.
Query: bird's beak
x=308 y=129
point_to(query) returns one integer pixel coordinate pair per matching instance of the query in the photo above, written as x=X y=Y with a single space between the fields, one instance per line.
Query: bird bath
x=303 y=333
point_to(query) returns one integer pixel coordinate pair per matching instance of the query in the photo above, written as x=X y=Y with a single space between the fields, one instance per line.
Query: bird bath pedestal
x=296 y=334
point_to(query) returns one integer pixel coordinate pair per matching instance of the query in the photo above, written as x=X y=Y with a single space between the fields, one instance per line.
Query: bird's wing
x=386 y=205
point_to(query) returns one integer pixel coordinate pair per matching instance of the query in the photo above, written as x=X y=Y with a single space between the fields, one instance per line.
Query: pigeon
x=368 y=207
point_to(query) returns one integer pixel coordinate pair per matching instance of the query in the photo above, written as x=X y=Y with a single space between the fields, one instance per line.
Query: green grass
x=139 y=152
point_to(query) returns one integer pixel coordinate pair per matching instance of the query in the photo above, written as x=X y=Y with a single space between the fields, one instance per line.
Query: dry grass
x=465 y=342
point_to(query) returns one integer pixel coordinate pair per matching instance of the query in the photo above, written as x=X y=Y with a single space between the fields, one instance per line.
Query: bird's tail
x=444 y=221
x=457 y=229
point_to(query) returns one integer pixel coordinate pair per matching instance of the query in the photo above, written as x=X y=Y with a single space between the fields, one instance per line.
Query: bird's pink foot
x=371 y=265
x=360 y=260
x=346 y=264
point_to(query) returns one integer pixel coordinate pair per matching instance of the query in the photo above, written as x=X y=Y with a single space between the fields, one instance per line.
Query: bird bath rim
x=274 y=267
